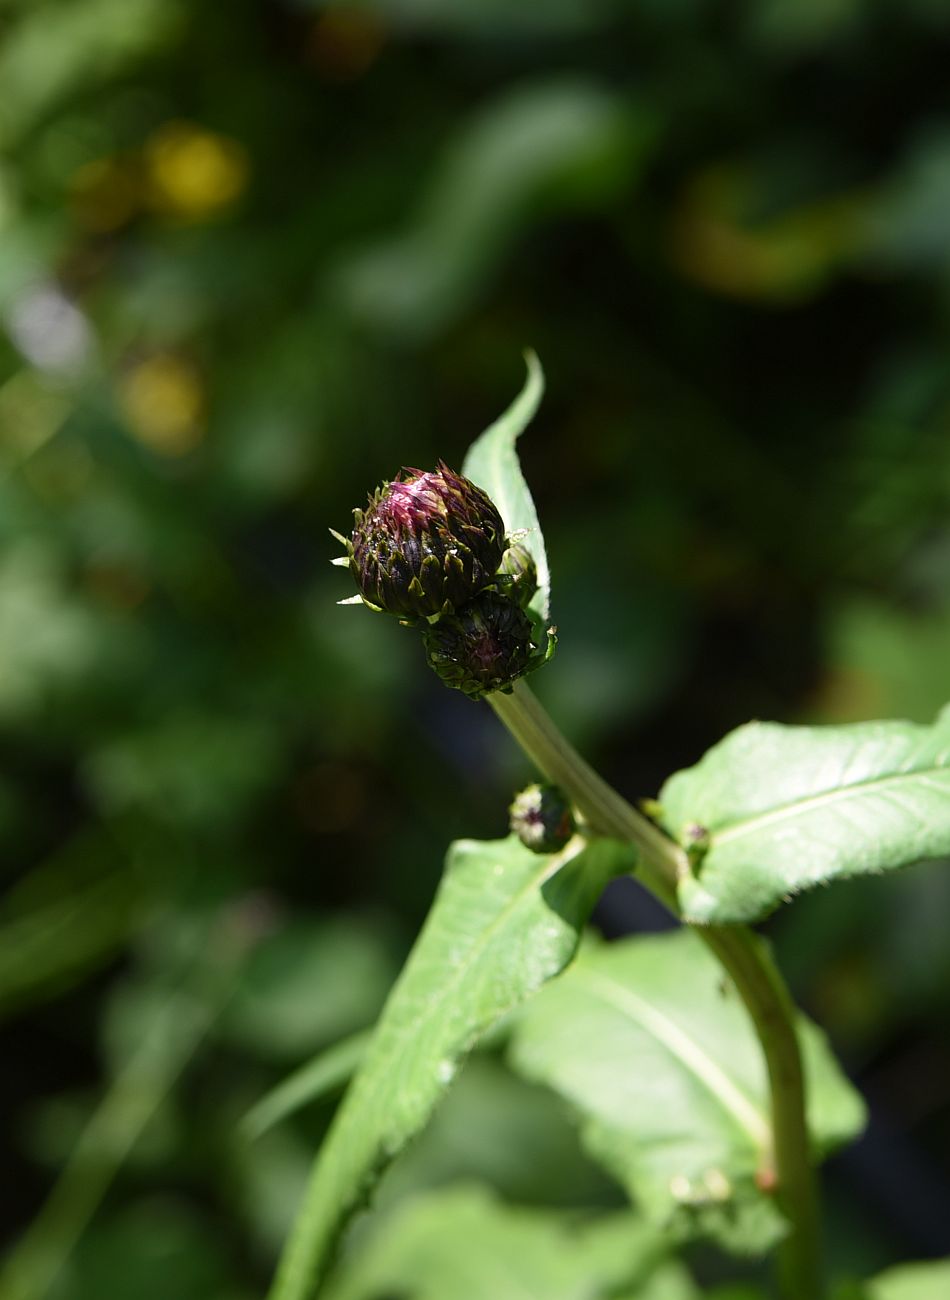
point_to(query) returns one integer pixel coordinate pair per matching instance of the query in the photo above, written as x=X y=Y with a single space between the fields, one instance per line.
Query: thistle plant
x=695 y=1081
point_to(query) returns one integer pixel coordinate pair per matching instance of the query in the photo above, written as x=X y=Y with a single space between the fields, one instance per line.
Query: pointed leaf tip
x=492 y=463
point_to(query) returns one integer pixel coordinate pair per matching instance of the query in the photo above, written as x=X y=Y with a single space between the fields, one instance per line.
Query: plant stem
x=745 y=958
x=661 y=861
x=768 y=1002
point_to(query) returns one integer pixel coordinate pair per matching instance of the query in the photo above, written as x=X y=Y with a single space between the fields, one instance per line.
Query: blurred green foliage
x=253 y=258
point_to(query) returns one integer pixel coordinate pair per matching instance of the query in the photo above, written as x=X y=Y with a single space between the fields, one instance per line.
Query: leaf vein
x=842 y=794
x=696 y=1060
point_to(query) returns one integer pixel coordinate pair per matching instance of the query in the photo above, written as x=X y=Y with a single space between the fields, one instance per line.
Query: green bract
x=426 y=544
x=484 y=647
x=518 y=574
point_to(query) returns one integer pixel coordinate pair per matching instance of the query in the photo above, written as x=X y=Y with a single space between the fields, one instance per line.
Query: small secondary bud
x=426 y=544
x=484 y=647
x=518 y=574
x=541 y=818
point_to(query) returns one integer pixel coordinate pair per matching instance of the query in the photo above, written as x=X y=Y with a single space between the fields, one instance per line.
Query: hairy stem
x=744 y=957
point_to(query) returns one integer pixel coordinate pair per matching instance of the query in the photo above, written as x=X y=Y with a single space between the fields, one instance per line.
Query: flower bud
x=484 y=647
x=541 y=818
x=426 y=544
x=518 y=574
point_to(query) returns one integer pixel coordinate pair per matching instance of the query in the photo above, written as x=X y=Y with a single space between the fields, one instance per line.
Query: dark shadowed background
x=256 y=256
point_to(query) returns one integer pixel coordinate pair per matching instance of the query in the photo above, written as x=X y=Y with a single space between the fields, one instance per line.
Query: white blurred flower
x=49 y=330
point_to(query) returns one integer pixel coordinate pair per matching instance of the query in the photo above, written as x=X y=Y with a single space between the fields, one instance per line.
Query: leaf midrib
x=694 y=1058
x=802 y=807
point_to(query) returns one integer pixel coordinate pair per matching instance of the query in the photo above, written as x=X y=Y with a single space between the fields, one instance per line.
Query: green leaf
x=492 y=463
x=787 y=808
x=463 y=1243
x=504 y=921
x=496 y=1129
x=326 y=1071
x=660 y=1059
x=273 y=1012
x=924 y=1281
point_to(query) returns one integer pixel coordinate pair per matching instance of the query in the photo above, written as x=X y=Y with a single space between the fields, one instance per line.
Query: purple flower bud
x=426 y=544
x=484 y=647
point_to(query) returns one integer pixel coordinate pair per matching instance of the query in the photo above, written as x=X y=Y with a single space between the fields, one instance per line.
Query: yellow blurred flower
x=192 y=174
x=162 y=400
